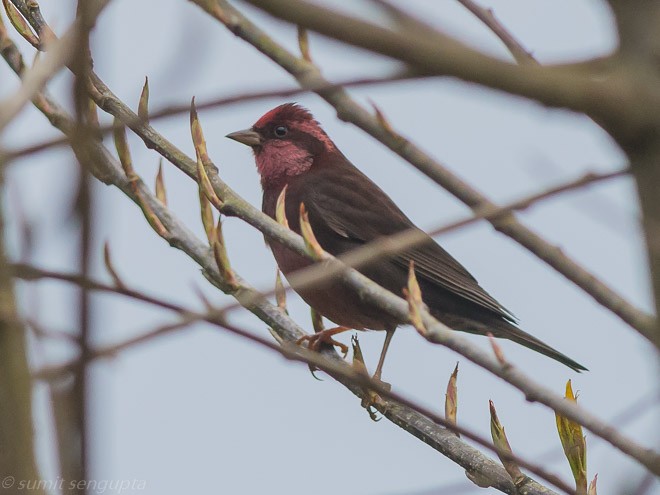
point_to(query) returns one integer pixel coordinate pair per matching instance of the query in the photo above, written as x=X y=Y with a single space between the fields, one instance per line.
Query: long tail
x=511 y=332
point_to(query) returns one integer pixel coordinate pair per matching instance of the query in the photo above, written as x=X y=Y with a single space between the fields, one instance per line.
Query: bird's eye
x=280 y=131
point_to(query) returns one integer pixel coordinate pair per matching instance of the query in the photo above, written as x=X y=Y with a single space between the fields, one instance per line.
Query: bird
x=347 y=210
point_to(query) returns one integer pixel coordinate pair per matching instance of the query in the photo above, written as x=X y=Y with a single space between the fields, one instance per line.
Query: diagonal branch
x=487 y=16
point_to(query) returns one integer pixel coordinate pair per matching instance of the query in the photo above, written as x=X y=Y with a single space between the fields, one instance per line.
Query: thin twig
x=487 y=16
x=174 y=110
x=60 y=53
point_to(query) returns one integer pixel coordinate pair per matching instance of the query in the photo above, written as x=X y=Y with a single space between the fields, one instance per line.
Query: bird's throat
x=278 y=163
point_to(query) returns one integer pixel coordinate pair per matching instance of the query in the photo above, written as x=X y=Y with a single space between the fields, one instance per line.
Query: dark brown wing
x=346 y=209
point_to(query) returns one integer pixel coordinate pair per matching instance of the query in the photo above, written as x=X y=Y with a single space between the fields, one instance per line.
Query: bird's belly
x=334 y=299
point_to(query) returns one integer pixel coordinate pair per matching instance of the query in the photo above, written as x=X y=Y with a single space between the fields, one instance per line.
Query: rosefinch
x=347 y=210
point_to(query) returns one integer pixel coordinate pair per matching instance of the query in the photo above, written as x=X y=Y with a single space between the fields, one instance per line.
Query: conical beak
x=247 y=137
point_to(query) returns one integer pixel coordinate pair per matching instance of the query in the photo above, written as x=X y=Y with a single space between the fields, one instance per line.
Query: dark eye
x=280 y=131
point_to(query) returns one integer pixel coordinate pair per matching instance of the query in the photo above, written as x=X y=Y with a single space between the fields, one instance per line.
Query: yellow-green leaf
x=574 y=445
x=502 y=443
x=143 y=105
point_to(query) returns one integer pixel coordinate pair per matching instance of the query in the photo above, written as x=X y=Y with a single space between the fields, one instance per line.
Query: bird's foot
x=316 y=340
x=373 y=402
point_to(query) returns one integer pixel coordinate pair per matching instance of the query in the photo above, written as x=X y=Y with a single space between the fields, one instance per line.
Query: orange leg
x=315 y=340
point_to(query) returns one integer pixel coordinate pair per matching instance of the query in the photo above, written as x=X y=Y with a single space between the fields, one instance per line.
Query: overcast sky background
x=203 y=411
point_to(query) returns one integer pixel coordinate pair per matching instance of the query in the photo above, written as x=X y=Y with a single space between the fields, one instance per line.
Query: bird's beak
x=247 y=137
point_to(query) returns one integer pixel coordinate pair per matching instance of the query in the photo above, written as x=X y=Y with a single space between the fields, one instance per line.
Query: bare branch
x=487 y=16
x=216 y=103
x=59 y=54
x=443 y=55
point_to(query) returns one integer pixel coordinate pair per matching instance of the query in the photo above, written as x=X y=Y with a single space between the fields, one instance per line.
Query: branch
x=445 y=56
x=328 y=362
x=214 y=103
x=487 y=16
x=348 y=110
x=59 y=54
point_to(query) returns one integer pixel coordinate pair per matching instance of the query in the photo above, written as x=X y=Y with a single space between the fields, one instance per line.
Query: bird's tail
x=511 y=332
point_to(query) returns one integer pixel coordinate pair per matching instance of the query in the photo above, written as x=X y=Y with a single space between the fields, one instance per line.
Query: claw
x=315 y=340
x=372 y=402
x=312 y=370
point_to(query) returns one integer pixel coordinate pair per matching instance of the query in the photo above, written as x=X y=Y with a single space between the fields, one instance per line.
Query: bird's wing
x=346 y=209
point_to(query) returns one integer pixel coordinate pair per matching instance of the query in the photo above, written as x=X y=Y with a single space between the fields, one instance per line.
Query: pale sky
x=204 y=411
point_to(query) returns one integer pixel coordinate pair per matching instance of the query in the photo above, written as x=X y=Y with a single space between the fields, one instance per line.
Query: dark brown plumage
x=346 y=210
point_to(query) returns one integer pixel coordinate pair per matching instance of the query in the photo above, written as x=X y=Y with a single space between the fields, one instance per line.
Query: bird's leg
x=324 y=337
x=372 y=399
x=381 y=361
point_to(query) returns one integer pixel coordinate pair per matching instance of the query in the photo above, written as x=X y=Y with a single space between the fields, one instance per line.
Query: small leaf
x=20 y=24
x=203 y=159
x=592 y=486
x=358 y=358
x=221 y=258
x=198 y=135
x=303 y=43
x=451 y=398
x=382 y=120
x=313 y=246
x=574 y=445
x=206 y=213
x=107 y=259
x=502 y=443
x=143 y=105
x=280 y=209
x=123 y=151
x=205 y=185
x=135 y=181
x=497 y=350
x=161 y=194
x=280 y=292
x=413 y=295
x=93 y=117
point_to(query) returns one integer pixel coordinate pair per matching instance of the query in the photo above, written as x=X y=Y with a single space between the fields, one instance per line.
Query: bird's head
x=285 y=142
